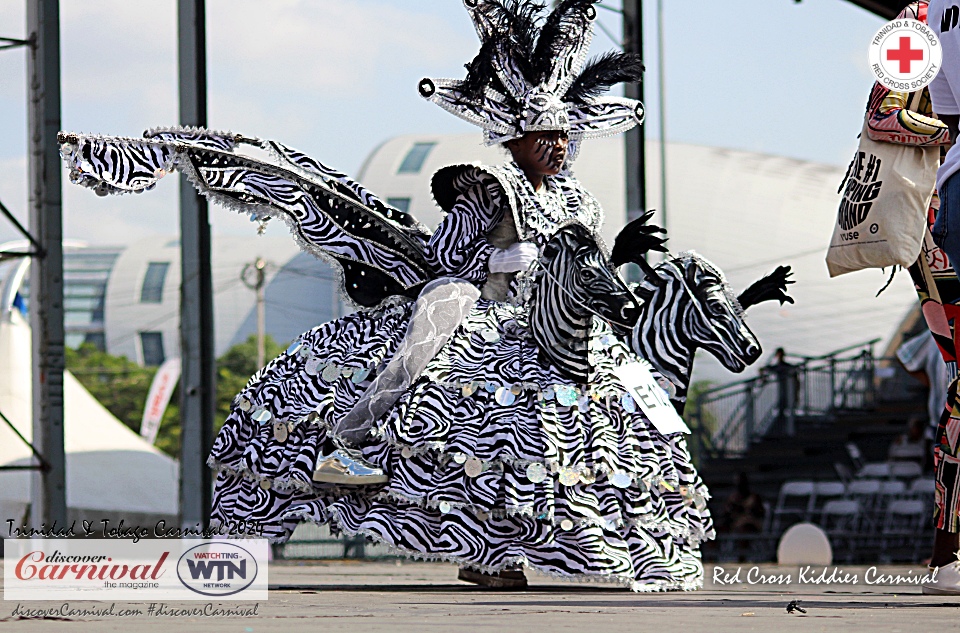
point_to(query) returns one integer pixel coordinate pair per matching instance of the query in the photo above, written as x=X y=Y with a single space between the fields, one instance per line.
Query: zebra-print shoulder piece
x=537 y=215
x=378 y=249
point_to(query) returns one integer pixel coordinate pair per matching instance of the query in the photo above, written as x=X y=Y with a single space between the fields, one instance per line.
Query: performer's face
x=540 y=153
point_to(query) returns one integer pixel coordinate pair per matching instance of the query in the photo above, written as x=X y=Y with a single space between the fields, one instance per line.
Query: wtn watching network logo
x=217 y=569
x=150 y=569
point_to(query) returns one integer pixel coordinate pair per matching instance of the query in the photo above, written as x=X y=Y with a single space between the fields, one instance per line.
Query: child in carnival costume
x=454 y=427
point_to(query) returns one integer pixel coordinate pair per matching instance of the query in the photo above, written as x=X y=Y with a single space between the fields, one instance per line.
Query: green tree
x=121 y=385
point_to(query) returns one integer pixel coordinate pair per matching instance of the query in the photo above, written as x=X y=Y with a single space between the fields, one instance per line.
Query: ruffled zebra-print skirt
x=493 y=459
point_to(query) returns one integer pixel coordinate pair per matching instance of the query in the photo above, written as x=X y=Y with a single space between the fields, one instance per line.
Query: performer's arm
x=889 y=120
x=459 y=247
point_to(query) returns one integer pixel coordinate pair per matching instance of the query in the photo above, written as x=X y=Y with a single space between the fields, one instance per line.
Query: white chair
x=905 y=470
x=793 y=502
x=926 y=486
x=824 y=491
x=840 y=519
x=874 y=470
x=867 y=492
x=903 y=525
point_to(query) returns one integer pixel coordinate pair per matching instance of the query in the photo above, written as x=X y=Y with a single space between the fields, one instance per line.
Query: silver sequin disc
x=473 y=467
x=536 y=472
x=294 y=347
x=566 y=524
x=482 y=516
x=244 y=404
x=549 y=393
x=261 y=415
x=606 y=340
x=359 y=375
x=566 y=395
x=583 y=404
x=265 y=484
x=280 y=431
x=406 y=452
x=516 y=389
x=467 y=389
x=330 y=373
x=445 y=507
x=569 y=477
x=505 y=397
x=460 y=457
x=490 y=387
x=668 y=386
x=628 y=403
x=490 y=336
x=312 y=366
x=621 y=480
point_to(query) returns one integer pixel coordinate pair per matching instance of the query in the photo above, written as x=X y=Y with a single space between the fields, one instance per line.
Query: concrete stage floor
x=355 y=597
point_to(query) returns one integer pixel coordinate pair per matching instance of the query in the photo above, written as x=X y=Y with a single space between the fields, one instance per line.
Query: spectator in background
x=923 y=360
x=743 y=510
x=788 y=384
x=914 y=445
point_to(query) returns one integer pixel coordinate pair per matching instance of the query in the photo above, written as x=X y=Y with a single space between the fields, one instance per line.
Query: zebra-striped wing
x=378 y=247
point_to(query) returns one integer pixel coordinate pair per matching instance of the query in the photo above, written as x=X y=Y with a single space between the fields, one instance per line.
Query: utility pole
x=259 y=275
x=198 y=373
x=48 y=489
x=635 y=141
x=662 y=101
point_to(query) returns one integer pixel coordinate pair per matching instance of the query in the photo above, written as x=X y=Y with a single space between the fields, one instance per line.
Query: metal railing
x=726 y=419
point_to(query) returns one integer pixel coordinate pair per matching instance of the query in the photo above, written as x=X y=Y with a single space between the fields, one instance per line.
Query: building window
x=400 y=203
x=151 y=344
x=153 y=280
x=415 y=158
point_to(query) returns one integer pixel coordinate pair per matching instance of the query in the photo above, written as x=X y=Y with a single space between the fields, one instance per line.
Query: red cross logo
x=905 y=55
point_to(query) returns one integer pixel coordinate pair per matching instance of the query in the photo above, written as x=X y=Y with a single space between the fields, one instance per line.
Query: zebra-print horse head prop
x=576 y=282
x=689 y=305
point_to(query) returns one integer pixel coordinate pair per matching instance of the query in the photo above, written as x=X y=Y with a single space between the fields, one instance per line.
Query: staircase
x=795 y=423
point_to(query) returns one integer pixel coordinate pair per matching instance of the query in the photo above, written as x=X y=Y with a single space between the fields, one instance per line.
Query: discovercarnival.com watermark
x=815 y=575
x=152 y=610
x=150 y=569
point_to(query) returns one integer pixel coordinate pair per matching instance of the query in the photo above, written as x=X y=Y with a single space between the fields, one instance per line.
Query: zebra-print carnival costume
x=494 y=457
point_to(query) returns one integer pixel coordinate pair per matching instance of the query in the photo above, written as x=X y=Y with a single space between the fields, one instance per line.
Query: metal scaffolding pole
x=198 y=382
x=635 y=142
x=48 y=491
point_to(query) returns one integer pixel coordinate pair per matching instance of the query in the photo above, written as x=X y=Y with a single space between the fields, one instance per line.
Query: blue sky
x=335 y=78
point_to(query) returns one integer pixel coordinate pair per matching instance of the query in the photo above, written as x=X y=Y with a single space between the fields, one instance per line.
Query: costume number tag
x=651 y=397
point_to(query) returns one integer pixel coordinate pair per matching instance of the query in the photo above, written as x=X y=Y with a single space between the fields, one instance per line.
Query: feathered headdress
x=529 y=74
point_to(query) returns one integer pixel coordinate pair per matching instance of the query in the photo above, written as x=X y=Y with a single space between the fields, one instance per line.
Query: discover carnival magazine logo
x=161 y=569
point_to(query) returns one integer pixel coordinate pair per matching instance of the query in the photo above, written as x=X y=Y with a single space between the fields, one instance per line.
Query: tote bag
x=883 y=211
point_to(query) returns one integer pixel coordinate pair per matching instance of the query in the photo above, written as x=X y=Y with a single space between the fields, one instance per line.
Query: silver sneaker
x=346 y=466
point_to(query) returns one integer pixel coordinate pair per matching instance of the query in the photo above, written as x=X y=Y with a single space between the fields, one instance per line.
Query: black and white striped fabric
x=378 y=249
x=495 y=457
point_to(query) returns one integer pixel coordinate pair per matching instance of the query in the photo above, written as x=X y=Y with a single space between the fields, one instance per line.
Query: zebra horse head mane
x=575 y=284
x=689 y=305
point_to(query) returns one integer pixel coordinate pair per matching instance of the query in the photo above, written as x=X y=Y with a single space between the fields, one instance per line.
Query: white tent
x=111 y=472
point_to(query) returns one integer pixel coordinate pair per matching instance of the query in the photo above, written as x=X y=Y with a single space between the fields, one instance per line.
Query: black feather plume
x=481 y=71
x=565 y=24
x=517 y=21
x=602 y=72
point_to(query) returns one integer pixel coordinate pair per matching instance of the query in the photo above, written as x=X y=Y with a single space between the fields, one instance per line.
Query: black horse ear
x=636 y=239
x=769 y=288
